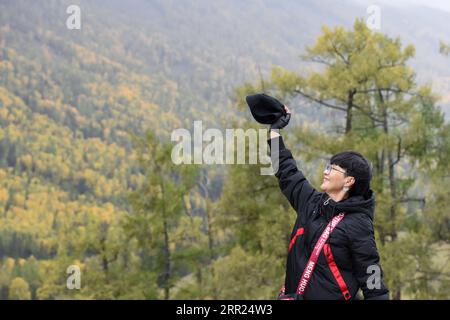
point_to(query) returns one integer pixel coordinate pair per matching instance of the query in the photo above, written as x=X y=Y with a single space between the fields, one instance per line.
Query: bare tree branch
x=319 y=60
x=326 y=104
x=422 y=200
x=399 y=150
x=339 y=54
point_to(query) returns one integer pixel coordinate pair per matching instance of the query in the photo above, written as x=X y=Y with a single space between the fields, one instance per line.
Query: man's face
x=334 y=179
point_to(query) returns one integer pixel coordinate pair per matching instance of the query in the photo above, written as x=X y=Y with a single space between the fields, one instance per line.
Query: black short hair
x=355 y=166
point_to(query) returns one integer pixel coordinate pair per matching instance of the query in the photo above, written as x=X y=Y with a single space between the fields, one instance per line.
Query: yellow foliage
x=4 y=195
x=27 y=161
x=126 y=92
x=19 y=199
x=5 y=100
x=19 y=289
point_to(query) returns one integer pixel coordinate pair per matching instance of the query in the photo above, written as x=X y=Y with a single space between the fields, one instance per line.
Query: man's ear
x=350 y=181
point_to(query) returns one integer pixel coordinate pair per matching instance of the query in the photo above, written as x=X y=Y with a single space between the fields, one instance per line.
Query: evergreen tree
x=159 y=210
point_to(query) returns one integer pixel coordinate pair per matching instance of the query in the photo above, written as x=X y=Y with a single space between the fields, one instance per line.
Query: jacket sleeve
x=365 y=259
x=292 y=182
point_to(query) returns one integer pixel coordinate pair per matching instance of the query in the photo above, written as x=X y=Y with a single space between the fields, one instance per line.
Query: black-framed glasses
x=329 y=167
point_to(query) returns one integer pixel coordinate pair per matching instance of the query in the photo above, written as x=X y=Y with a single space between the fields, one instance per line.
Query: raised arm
x=293 y=183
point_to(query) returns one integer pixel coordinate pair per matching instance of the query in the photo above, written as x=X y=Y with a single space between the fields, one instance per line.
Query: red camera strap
x=308 y=271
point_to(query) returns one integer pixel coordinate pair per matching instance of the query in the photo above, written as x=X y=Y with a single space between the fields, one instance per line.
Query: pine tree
x=377 y=108
x=158 y=209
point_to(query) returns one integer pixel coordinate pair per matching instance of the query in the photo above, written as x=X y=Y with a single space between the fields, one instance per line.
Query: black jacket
x=350 y=255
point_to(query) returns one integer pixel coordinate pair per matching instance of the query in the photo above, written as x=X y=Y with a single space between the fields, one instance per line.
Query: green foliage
x=164 y=236
x=376 y=107
x=444 y=48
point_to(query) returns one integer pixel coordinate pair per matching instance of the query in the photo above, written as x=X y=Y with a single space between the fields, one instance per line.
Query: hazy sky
x=438 y=4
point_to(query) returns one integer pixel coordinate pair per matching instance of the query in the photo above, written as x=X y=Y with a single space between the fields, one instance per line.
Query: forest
x=86 y=175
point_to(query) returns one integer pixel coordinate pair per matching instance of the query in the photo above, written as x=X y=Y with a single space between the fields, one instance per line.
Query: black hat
x=265 y=109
